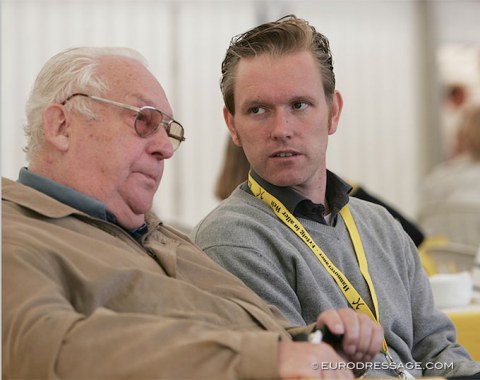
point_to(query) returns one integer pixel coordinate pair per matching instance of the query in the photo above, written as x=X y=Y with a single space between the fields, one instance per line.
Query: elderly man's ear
x=56 y=126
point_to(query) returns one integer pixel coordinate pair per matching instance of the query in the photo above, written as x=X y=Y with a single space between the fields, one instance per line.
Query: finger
x=370 y=339
x=332 y=320
x=376 y=341
x=365 y=331
x=352 y=327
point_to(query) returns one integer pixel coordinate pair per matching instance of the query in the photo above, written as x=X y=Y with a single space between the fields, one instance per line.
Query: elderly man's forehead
x=118 y=65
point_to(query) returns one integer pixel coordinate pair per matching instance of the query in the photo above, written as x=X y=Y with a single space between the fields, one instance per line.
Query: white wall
x=376 y=49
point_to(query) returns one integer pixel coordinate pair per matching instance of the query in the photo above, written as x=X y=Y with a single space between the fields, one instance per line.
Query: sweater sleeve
x=251 y=254
x=418 y=334
x=434 y=334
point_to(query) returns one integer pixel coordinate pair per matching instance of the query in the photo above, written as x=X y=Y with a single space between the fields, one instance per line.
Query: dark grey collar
x=336 y=195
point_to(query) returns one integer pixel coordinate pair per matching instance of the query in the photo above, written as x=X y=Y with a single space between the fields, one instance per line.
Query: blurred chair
x=476 y=277
x=442 y=256
x=456 y=221
x=468 y=333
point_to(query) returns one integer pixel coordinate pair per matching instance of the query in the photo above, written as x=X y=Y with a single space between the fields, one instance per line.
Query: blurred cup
x=452 y=289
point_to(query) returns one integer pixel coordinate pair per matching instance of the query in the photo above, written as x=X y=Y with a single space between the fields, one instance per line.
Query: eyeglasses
x=147 y=121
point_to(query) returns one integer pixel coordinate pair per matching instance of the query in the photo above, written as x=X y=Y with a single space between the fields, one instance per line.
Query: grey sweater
x=244 y=235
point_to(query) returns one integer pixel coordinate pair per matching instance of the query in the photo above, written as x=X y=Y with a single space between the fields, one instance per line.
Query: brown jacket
x=82 y=299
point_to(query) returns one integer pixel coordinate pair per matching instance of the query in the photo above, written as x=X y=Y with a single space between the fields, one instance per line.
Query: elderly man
x=94 y=285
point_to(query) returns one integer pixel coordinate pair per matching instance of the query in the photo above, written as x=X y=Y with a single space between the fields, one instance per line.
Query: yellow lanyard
x=351 y=294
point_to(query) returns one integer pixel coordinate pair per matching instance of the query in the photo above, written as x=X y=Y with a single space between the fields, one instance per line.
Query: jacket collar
x=43 y=204
x=35 y=200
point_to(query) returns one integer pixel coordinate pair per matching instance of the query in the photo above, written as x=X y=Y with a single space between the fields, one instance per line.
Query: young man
x=94 y=285
x=292 y=233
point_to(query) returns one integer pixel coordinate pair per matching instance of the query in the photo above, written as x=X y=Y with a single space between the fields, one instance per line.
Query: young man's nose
x=281 y=125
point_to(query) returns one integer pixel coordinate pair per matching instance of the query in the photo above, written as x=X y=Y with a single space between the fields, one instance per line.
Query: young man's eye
x=256 y=110
x=299 y=105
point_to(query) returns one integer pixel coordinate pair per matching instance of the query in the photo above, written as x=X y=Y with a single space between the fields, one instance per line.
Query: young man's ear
x=231 y=126
x=335 y=112
x=56 y=127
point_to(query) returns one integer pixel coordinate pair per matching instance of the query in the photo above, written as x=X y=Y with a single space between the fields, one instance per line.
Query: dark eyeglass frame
x=165 y=120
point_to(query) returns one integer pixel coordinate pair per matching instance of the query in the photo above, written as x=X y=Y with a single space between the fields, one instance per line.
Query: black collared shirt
x=336 y=195
x=74 y=199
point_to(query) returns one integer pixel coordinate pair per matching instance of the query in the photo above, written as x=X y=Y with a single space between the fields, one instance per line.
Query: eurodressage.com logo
x=375 y=366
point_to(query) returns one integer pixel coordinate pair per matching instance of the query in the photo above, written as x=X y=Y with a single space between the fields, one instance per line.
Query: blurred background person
x=449 y=207
x=458 y=179
x=455 y=101
x=234 y=170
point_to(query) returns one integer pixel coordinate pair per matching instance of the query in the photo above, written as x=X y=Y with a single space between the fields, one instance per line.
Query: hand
x=306 y=360
x=362 y=337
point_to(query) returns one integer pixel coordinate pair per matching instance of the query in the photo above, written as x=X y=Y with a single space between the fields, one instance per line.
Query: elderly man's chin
x=141 y=196
x=141 y=203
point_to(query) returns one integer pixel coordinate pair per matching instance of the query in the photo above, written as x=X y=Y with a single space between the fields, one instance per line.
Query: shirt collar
x=72 y=198
x=336 y=194
x=289 y=197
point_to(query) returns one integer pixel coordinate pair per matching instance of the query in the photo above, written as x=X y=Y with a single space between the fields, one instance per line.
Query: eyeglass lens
x=148 y=120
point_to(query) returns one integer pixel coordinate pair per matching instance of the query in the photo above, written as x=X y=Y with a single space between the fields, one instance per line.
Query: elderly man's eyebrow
x=143 y=101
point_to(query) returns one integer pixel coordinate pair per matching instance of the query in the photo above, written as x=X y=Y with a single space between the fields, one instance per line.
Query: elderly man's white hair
x=68 y=72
